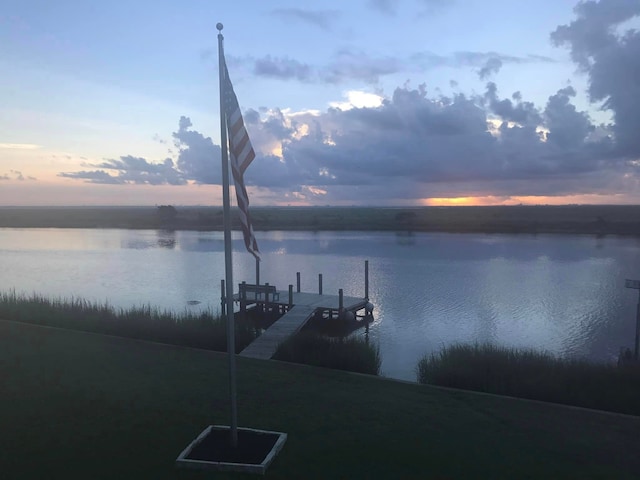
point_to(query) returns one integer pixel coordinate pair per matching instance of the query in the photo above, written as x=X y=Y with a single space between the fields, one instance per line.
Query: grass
x=75 y=405
x=535 y=375
x=353 y=354
x=203 y=330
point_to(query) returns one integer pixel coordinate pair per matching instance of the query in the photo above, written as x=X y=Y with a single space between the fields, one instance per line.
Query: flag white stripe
x=242 y=155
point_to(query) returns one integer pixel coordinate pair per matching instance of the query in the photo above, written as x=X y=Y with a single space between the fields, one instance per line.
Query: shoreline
x=566 y=219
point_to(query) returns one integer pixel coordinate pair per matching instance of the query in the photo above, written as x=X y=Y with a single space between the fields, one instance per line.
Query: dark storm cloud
x=521 y=112
x=411 y=145
x=568 y=127
x=197 y=155
x=318 y=18
x=436 y=142
x=611 y=61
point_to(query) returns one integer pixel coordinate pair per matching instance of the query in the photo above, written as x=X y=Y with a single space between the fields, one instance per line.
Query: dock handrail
x=261 y=292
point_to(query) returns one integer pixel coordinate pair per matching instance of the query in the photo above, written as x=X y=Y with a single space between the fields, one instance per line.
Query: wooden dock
x=299 y=310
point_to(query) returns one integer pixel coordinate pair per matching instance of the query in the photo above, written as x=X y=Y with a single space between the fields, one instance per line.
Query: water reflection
x=564 y=294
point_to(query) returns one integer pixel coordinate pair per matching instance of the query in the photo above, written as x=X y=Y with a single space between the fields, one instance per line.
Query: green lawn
x=79 y=405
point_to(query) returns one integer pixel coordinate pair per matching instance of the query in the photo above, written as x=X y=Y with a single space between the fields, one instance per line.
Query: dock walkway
x=305 y=305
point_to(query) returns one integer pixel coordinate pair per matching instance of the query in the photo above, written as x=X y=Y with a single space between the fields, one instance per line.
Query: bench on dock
x=260 y=292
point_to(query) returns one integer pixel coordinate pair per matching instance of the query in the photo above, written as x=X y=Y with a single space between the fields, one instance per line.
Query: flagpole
x=228 y=264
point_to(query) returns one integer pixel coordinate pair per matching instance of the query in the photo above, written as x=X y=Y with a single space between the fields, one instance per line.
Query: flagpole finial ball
x=219 y=26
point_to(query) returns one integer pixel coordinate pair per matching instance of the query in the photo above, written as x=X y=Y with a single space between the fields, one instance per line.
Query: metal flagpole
x=228 y=264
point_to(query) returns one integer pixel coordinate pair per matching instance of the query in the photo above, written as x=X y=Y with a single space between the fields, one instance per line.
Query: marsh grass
x=534 y=375
x=353 y=354
x=199 y=330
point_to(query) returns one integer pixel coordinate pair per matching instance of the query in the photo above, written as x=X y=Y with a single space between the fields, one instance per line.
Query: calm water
x=564 y=294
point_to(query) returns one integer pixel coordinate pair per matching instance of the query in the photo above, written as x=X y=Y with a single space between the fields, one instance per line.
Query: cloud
x=197 y=161
x=412 y=144
x=94 y=176
x=197 y=155
x=18 y=175
x=350 y=64
x=388 y=7
x=130 y=170
x=318 y=18
x=611 y=61
x=407 y=146
x=492 y=65
x=523 y=113
x=284 y=68
x=568 y=128
x=15 y=175
x=433 y=6
x=19 y=146
x=415 y=144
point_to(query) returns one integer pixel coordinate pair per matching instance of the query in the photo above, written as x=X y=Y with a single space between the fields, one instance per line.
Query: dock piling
x=637 y=343
x=366 y=280
x=243 y=298
x=291 y=296
x=319 y=284
x=223 y=301
x=298 y=282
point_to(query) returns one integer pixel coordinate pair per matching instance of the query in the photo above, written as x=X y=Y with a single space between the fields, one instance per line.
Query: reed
x=199 y=330
x=353 y=354
x=535 y=375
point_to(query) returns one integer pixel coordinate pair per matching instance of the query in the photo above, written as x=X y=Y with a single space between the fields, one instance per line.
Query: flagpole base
x=212 y=450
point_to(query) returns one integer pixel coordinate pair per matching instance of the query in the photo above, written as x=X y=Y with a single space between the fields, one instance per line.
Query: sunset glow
x=439 y=113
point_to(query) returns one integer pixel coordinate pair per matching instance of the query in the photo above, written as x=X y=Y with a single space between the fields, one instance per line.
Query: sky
x=366 y=102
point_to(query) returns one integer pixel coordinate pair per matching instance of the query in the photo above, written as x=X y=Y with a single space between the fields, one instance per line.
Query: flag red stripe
x=242 y=155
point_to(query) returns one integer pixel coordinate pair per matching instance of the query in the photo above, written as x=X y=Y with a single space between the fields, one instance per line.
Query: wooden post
x=298 y=282
x=635 y=284
x=320 y=284
x=637 y=328
x=340 y=302
x=266 y=294
x=366 y=280
x=291 y=296
x=223 y=301
x=257 y=272
x=243 y=298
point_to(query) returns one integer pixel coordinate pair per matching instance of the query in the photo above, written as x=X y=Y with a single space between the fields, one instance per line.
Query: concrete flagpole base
x=212 y=450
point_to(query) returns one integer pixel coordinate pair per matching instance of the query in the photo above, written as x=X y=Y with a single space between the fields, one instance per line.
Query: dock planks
x=266 y=344
x=305 y=305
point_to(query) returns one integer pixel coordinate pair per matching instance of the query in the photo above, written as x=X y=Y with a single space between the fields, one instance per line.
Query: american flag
x=241 y=155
